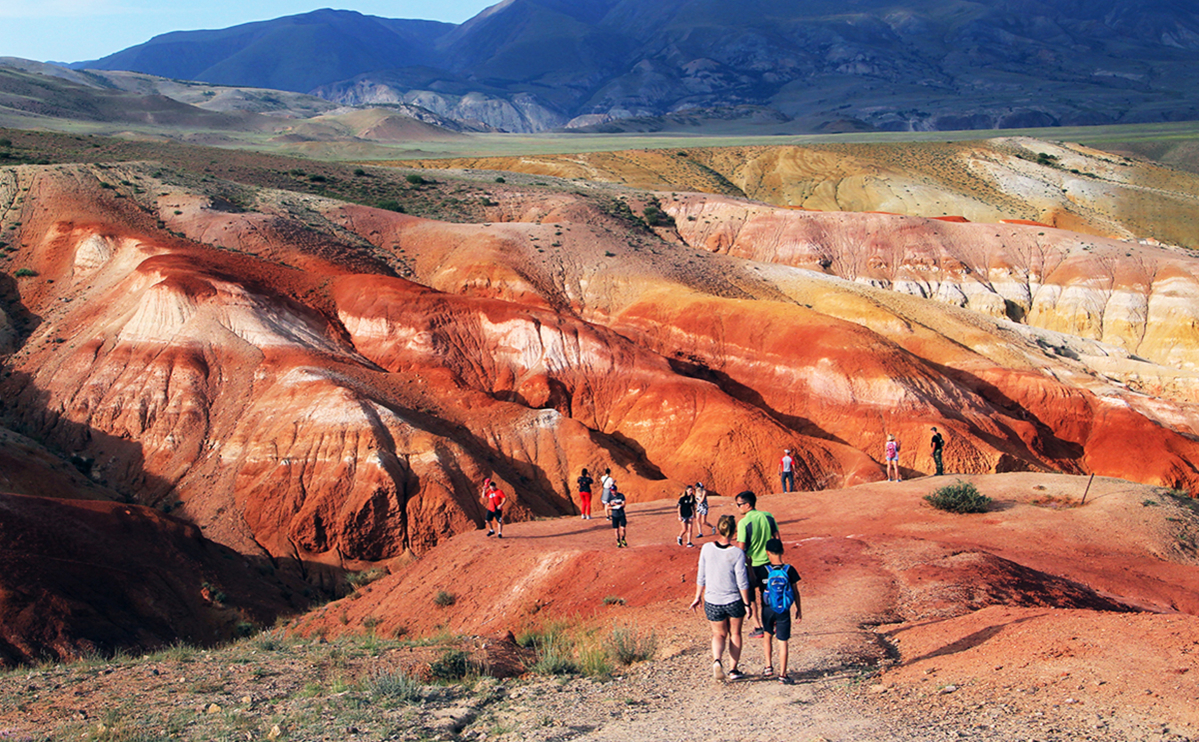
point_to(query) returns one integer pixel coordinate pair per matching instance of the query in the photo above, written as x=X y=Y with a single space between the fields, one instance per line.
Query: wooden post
x=1088 y=489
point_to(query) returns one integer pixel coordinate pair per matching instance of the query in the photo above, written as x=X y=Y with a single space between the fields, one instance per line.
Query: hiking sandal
x=734 y=674
x=769 y=671
x=717 y=670
x=785 y=679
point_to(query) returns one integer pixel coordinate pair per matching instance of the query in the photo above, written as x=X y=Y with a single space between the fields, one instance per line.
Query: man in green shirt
x=755 y=528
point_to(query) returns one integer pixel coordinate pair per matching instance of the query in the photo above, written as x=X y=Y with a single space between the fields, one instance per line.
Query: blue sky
x=77 y=30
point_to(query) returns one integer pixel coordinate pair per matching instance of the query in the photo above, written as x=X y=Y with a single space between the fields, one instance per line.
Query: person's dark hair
x=607 y=471
x=748 y=497
x=726 y=526
x=774 y=546
x=584 y=472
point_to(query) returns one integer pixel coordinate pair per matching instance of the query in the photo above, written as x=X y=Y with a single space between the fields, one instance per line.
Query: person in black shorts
x=620 y=519
x=686 y=515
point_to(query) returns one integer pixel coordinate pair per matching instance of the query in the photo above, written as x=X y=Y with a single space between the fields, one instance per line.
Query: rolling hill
x=530 y=65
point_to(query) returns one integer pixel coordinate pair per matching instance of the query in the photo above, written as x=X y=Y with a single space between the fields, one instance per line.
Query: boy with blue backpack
x=780 y=592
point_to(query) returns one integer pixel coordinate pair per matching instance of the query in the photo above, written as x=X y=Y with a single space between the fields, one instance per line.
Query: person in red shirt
x=494 y=497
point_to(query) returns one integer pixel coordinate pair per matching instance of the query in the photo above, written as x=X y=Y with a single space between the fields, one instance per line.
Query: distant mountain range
x=530 y=65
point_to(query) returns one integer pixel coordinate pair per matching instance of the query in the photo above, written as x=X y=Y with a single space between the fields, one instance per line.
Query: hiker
x=494 y=497
x=938 y=444
x=753 y=531
x=892 y=454
x=722 y=582
x=701 y=511
x=585 y=481
x=786 y=471
x=779 y=594
x=620 y=519
x=608 y=484
x=686 y=509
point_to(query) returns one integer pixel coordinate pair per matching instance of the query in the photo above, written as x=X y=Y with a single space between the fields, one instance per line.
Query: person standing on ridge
x=585 y=481
x=620 y=519
x=686 y=509
x=494 y=497
x=891 y=451
x=938 y=444
x=607 y=483
x=701 y=510
x=787 y=470
x=753 y=531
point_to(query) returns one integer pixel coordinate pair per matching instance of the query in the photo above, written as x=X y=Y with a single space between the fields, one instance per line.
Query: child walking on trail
x=620 y=519
x=686 y=515
x=779 y=594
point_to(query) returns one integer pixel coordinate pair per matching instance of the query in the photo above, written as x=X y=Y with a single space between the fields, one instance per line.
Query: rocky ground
x=268 y=688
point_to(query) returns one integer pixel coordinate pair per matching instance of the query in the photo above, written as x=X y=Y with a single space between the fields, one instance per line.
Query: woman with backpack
x=722 y=584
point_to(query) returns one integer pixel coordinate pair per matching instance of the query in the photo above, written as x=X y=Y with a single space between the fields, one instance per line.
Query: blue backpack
x=779 y=595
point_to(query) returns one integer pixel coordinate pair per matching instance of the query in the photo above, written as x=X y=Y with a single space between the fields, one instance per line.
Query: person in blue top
x=777 y=625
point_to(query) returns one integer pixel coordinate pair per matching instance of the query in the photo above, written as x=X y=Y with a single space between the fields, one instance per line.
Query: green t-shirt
x=754 y=531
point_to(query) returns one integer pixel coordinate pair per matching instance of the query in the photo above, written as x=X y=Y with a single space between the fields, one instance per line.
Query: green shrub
x=959 y=497
x=444 y=599
x=613 y=600
x=627 y=646
x=453 y=664
x=25 y=272
x=414 y=179
x=393 y=685
x=391 y=205
x=359 y=579
x=555 y=656
x=593 y=660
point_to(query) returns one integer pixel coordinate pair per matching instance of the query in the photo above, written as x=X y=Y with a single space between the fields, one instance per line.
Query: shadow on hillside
x=22 y=321
x=1046 y=450
x=750 y=396
x=147 y=578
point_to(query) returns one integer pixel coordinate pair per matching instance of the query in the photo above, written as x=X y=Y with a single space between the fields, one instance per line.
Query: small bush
x=359 y=579
x=391 y=205
x=393 y=686
x=959 y=497
x=500 y=179
x=25 y=272
x=359 y=172
x=444 y=599
x=593 y=660
x=453 y=664
x=613 y=600
x=555 y=656
x=414 y=179
x=627 y=646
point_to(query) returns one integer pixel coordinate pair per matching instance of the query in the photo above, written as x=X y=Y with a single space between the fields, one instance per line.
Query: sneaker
x=624 y=543
x=757 y=633
x=717 y=671
x=690 y=545
x=680 y=540
x=499 y=535
x=619 y=544
x=734 y=674
x=491 y=533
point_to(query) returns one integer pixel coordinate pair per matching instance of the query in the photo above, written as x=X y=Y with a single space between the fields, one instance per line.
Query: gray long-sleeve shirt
x=722 y=572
